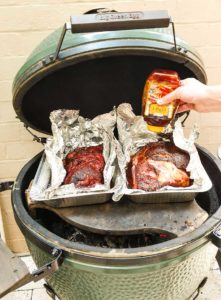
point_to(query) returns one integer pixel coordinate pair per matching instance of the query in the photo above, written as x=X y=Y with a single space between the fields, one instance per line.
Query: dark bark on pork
x=85 y=166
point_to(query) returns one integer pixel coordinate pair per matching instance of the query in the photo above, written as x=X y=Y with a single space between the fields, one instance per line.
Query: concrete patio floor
x=36 y=291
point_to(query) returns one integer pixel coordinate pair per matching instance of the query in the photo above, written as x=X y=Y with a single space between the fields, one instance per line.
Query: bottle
x=158 y=84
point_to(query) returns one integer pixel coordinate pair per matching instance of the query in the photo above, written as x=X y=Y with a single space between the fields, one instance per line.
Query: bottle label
x=158 y=110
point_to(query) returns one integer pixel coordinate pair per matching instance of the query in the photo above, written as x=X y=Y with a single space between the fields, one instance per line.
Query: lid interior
x=93 y=86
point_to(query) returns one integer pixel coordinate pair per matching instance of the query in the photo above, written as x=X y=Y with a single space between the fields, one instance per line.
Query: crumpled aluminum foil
x=71 y=131
x=133 y=134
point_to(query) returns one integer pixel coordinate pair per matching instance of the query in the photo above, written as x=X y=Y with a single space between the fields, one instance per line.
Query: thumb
x=170 y=97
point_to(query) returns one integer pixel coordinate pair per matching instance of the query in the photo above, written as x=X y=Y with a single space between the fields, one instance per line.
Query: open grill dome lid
x=94 y=71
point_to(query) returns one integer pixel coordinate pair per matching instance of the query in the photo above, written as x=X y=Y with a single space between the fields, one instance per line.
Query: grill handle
x=7 y=185
x=108 y=21
x=16 y=273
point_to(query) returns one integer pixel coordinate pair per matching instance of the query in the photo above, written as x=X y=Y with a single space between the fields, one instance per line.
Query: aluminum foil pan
x=42 y=180
x=133 y=135
x=163 y=196
x=71 y=131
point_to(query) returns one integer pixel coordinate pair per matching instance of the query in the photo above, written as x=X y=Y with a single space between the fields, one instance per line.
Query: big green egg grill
x=93 y=63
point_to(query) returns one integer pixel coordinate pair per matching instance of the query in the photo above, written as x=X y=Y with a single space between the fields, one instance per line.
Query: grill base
x=177 y=281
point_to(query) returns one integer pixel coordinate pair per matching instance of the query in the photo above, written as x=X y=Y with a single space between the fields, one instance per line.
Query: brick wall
x=24 y=23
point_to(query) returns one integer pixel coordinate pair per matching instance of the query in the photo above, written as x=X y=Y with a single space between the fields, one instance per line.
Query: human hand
x=194 y=95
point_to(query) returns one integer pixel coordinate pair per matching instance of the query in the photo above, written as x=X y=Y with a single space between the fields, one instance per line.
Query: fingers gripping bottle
x=158 y=84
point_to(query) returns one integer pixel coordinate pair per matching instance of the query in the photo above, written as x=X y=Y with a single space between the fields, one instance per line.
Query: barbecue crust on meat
x=85 y=166
x=156 y=165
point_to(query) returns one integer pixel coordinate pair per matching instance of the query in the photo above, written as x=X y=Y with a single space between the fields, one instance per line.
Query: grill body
x=174 y=279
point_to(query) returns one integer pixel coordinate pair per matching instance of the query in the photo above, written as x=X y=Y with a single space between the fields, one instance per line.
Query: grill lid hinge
x=41 y=140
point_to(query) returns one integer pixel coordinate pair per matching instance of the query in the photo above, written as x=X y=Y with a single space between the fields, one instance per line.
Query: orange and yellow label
x=158 y=110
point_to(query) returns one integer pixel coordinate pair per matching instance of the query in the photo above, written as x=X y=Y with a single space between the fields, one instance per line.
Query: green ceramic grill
x=93 y=63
